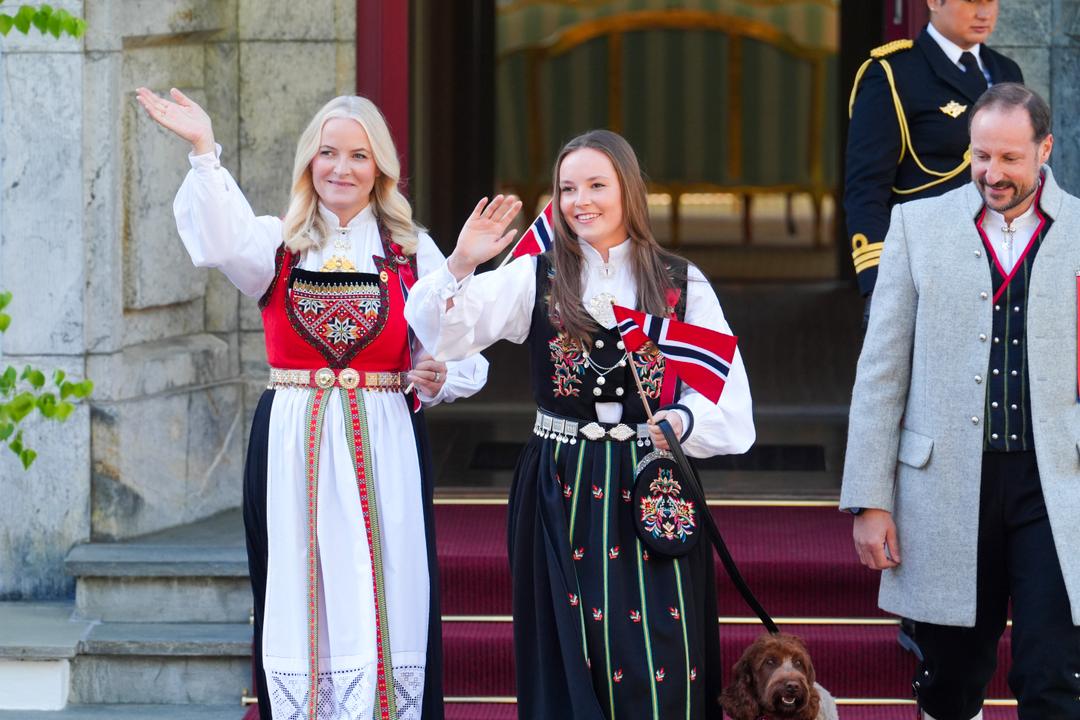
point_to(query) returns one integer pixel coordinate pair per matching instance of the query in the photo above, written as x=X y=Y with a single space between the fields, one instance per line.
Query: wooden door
x=904 y=18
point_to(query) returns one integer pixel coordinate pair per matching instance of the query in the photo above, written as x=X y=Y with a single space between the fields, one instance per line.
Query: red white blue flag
x=698 y=356
x=538 y=238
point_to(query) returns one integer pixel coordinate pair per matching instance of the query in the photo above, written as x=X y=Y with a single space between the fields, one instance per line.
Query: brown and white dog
x=773 y=680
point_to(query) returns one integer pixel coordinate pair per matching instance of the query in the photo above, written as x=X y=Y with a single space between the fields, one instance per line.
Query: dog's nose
x=791 y=686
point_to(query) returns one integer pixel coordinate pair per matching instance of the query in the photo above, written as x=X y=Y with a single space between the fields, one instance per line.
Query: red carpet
x=484 y=711
x=799 y=562
x=851 y=661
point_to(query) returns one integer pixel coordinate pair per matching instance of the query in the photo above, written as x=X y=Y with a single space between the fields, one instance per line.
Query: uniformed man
x=908 y=136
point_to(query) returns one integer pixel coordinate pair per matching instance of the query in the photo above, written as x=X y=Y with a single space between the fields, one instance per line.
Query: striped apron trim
x=316 y=412
x=359 y=444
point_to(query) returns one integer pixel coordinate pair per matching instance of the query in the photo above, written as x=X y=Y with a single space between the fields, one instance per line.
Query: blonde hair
x=304 y=226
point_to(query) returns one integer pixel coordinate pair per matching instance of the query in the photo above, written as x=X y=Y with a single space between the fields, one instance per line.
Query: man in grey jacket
x=962 y=460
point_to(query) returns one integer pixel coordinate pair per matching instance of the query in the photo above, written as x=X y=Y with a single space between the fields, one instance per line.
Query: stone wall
x=1043 y=36
x=102 y=284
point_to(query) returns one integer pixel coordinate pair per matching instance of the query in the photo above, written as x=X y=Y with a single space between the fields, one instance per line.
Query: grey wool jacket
x=915 y=440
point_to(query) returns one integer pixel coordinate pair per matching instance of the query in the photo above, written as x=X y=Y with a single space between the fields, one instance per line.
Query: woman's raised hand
x=484 y=234
x=181 y=115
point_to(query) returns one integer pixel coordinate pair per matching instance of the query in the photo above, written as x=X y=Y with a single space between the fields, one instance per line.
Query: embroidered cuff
x=687 y=418
x=450 y=286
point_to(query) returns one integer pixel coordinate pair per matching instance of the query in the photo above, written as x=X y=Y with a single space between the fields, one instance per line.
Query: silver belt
x=565 y=430
x=347 y=378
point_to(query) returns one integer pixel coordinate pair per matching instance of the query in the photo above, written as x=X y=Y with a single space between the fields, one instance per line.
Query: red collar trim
x=1031 y=242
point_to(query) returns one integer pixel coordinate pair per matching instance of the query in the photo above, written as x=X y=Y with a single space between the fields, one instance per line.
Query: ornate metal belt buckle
x=324 y=378
x=593 y=431
x=622 y=432
x=349 y=378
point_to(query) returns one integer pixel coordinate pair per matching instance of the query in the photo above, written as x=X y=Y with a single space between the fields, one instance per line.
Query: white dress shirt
x=954 y=51
x=1009 y=247
x=220 y=230
x=498 y=305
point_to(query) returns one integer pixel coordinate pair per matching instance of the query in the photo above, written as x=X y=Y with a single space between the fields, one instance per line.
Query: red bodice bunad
x=339 y=319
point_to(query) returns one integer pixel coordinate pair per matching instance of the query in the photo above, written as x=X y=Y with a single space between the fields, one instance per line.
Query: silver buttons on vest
x=978 y=253
x=983 y=295
x=974 y=420
x=982 y=337
x=978 y=379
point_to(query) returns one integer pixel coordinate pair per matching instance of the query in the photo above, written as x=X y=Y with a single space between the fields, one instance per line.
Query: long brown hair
x=648 y=260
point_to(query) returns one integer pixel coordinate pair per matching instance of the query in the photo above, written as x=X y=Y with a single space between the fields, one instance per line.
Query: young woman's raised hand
x=484 y=234
x=181 y=115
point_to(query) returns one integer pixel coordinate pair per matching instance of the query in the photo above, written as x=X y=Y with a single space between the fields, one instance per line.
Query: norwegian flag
x=698 y=356
x=538 y=238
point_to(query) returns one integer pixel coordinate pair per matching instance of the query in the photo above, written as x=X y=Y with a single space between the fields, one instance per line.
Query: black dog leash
x=697 y=495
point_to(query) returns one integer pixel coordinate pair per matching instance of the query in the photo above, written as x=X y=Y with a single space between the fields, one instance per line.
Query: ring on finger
x=437 y=376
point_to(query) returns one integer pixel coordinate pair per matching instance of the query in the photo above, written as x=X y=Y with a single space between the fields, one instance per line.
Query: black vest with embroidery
x=1008 y=398
x=568 y=382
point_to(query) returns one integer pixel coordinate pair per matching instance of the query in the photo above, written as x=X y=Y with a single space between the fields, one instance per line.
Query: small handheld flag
x=538 y=238
x=698 y=356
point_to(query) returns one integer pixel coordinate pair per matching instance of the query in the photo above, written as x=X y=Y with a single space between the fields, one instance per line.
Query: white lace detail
x=409 y=691
x=343 y=695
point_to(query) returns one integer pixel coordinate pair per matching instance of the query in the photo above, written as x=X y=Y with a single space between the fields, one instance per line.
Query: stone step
x=163 y=663
x=130 y=712
x=193 y=573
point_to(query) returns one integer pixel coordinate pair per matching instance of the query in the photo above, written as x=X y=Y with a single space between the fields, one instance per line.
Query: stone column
x=42 y=262
x=1065 y=92
x=1043 y=36
x=102 y=284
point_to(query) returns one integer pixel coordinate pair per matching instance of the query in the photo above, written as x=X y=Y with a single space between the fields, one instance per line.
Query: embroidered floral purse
x=665 y=512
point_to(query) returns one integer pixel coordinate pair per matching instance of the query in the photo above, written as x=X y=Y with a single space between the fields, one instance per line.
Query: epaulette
x=891 y=47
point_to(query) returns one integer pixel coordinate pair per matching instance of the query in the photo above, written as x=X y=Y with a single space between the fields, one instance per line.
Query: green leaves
x=26 y=455
x=22 y=393
x=80 y=390
x=35 y=377
x=5 y=297
x=45 y=18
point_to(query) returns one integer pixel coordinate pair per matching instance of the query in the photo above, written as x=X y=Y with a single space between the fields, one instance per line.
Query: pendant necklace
x=1009 y=233
x=340 y=263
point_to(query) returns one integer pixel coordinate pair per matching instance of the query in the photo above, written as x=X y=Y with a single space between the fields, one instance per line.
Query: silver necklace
x=1010 y=234
x=603 y=370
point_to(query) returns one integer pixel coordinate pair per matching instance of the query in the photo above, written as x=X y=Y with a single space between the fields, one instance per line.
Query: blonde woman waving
x=337 y=486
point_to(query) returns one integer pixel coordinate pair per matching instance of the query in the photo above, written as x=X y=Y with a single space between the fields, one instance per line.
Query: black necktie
x=973 y=74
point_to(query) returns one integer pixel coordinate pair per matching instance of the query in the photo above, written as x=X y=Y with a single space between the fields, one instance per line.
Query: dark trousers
x=1017 y=561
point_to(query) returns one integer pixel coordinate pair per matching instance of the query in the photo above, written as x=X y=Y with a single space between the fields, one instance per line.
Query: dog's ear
x=739 y=699
x=813 y=703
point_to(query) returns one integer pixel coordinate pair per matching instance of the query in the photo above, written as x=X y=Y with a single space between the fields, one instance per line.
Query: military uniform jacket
x=908 y=136
x=916 y=435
